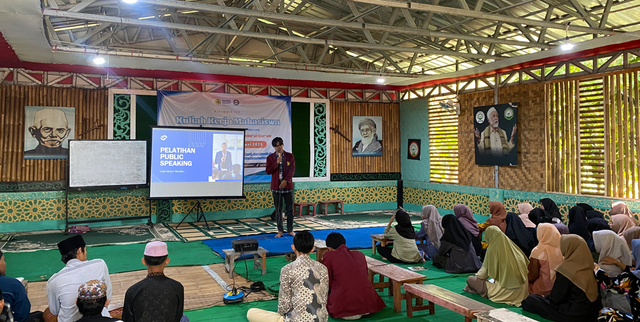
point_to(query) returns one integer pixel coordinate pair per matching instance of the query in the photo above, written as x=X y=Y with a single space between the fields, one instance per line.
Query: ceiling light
x=567 y=46
x=380 y=80
x=130 y=1
x=98 y=60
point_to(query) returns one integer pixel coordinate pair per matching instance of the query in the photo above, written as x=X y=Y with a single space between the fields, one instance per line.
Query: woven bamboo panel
x=529 y=174
x=91 y=110
x=340 y=118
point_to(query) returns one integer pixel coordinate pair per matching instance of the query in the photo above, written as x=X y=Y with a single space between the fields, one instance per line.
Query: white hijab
x=432 y=223
x=609 y=244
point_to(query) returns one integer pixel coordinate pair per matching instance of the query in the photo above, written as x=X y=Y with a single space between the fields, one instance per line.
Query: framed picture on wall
x=47 y=132
x=367 y=136
x=414 y=149
x=495 y=139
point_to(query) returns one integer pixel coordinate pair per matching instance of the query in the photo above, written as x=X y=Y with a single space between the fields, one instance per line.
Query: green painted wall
x=414 y=124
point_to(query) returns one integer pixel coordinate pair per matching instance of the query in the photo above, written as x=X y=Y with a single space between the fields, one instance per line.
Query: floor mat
x=35 y=241
x=360 y=219
x=193 y=231
x=356 y=238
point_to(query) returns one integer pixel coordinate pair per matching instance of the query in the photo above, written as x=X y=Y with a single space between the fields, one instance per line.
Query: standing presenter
x=281 y=166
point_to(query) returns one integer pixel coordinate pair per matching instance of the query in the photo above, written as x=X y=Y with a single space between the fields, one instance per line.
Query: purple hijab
x=464 y=214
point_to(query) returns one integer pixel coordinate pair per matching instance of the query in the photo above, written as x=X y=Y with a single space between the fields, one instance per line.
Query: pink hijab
x=619 y=208
x=621 y=223
x=548 y=248
x=465 y=216
x=524 y=209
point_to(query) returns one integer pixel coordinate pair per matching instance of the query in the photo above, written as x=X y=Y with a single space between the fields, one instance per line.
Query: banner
x=263 y=117
x=495 y=128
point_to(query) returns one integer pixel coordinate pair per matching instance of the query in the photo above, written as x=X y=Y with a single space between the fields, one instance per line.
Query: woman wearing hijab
x=595 y=224
x=544 y=259
x=403 y=235
x=518 y=233
x=503 y=275
x=594 y=214
x=431 y=226
x=608 y=244
x=628 y=282
x=621 y=223
x=574 y=296
x=539 y=215
x=525 y=209
x=578 y=223
x=456 y=253
x=620 y=208
x=631 y=234
x=498 y=216
x=551 y=208
x=586 y=207
x=465 y=216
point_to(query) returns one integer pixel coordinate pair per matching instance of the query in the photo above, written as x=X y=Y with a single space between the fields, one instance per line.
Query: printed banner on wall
x=47 y=131
x=264 y=118
x=495 y=128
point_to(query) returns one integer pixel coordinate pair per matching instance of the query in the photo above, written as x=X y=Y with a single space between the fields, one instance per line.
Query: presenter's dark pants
x=278 y=198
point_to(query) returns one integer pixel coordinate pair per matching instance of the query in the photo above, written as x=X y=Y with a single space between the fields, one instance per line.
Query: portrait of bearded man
x=369 y=144
x=493 y=140
x=50 y=129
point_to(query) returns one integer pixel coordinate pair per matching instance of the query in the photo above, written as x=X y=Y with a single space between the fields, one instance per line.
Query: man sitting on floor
x=351 y=295
x=62 y=287
x=92 y=298
x=156 y=298
x=15 y=295
x=303 y=288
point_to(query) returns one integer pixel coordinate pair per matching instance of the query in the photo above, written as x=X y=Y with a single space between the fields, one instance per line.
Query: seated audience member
x=503 y=275
x=525 y=209
x=92 y=298
x=574 y=297
x=304 y=285
x=620 y=208
x=5 y=315
x=15 y=295
x=456 y=253
x=629 y=235
x=403 y=235
x=594 y=214
x=551 y=208
x=430 y=230
x=628 y=282
x=595 y=222
x=544 y=259
x=351 y=295
x=519 y=234
x=62 y=287
x=539 y=215
x=621 y=223
x=578 y=223
x=498 y=217
x=465 y=216
x=585 y=207
x=156 y=298
x=610 y=245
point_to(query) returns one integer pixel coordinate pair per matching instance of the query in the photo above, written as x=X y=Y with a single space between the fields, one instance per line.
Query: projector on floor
x=245 y=244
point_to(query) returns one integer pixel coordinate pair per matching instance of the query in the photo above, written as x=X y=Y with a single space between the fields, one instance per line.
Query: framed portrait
x=414 y=149
x=366 y=136
x=47 y=131
x=495 y=139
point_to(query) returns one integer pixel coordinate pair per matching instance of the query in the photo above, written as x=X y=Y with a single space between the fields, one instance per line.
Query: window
x=443 y=141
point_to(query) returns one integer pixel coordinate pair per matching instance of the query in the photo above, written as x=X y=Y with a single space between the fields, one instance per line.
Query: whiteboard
x=107 y=163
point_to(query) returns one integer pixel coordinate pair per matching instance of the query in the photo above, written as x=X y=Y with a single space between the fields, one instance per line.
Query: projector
x=246 y=244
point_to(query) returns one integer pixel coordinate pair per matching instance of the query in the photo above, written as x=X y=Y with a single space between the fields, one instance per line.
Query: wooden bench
x=230 y=256
x=324 y=205
x=502 y=315
x=379 y=238
x=321 y=248
x=297 y=208
x=445 y=298
x=397 y=276
x=374 y=262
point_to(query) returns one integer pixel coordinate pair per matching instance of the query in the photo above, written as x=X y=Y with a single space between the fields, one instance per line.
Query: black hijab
x=518 y=233
x=595 y=224
x=538 y=216
x=578 y=223
x=586 y=207
x=551 y=208
x=594 y=214
x=404 y=226
x=455 y=233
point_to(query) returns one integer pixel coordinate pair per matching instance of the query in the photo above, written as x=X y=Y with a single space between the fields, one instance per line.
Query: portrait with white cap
x=366 y=136
x=47 y=132
x=495 y=128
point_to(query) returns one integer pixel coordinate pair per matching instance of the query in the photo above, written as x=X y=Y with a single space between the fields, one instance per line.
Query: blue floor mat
x=356 y=238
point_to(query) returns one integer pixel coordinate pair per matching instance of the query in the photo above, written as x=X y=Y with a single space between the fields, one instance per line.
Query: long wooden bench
x=396 y=276
x=445 y=298
x=502 y=315
x=379 y=238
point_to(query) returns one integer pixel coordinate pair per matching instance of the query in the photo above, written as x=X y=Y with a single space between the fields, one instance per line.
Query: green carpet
x=40 y=265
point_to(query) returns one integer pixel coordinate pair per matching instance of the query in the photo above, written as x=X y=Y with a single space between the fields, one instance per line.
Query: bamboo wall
x=529 y=174
x=340 y=118
x=91 y=110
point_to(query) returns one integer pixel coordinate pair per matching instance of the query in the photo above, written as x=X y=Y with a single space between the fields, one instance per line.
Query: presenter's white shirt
x=496 y=144
x=62 y=287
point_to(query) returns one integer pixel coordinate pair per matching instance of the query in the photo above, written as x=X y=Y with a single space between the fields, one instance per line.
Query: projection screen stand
x=197 y=208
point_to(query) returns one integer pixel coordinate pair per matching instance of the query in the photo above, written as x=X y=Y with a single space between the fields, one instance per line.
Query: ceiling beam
x=170 y=25
x=82 y=5
x=476 y=14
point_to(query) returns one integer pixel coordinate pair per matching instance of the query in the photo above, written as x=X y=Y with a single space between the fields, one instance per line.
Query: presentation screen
x=196 y=163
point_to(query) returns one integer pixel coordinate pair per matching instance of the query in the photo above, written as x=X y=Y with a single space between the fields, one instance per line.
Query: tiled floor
x=201 y=290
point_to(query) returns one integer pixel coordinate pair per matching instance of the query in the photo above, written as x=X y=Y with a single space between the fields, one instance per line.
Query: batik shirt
x=304 y=287
x=625 y=283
